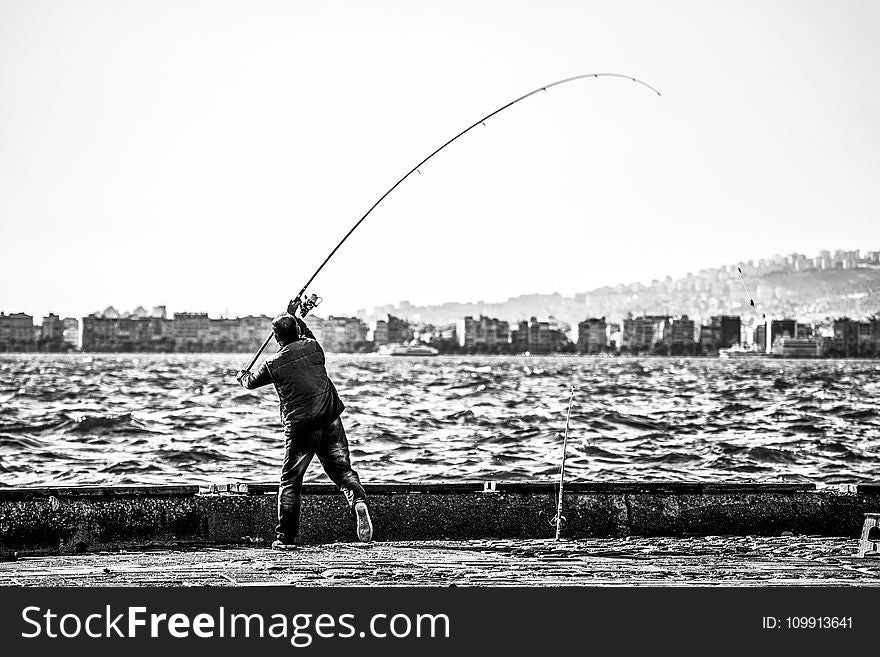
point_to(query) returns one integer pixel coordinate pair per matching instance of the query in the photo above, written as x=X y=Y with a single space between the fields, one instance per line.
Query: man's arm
x=250 y=380
x=304 y=330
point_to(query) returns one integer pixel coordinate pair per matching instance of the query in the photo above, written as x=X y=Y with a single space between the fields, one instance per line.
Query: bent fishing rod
x=305 y=305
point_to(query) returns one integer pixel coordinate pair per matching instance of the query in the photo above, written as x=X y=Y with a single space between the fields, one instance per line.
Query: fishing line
x=748 y=294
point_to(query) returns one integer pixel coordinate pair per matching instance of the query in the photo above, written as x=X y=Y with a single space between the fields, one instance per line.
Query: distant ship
x=738 y=351
x=409 y=350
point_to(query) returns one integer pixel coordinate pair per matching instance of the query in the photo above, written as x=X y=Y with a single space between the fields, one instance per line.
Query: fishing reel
x=562 y=521
x=308 y=304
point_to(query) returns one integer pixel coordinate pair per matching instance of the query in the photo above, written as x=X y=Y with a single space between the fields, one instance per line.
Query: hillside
x=811 y=295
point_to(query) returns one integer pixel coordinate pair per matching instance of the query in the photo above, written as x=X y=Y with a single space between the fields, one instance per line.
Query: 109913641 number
x=819 y=622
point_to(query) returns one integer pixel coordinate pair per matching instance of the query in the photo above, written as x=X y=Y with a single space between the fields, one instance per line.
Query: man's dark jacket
x=307 y=397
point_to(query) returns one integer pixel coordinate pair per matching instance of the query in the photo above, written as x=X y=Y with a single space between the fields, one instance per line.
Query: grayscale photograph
x=439 y=294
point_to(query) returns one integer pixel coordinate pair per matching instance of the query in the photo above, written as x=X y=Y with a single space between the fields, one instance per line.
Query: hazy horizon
x=208 y=157
x=396 y=303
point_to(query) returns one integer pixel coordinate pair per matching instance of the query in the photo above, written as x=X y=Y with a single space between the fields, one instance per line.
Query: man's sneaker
x=364 y=524
x=281 y=545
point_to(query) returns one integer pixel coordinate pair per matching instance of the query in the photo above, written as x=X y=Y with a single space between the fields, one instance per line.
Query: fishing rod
x=559 y=519
x=309 y=303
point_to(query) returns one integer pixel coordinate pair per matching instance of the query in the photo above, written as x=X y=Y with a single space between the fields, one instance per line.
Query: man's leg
x=334 y=456
x=299 y=447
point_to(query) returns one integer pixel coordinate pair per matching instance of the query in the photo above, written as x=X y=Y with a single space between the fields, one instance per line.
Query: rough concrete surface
x=48 y=520
x=631 y=561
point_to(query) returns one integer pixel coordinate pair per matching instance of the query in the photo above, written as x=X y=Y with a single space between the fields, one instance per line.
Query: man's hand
x=251 y=380
x=293 y=306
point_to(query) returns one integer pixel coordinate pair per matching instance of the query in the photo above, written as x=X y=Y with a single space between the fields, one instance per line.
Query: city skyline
x=823 y=259
x=152 y=156
x=653 y=335
x=595 y=328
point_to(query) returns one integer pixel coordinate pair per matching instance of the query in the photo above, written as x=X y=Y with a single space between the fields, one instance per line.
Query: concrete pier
x=67 y=520
x=627 y=561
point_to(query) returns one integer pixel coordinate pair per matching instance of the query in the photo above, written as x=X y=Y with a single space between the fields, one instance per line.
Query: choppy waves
x=182 y=418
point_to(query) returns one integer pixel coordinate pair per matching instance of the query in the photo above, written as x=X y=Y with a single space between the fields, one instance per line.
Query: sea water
x=175 y=418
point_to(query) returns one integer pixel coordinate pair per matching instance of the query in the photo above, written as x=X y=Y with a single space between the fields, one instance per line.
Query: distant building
x=778 y=328
x=52 y=328
x=70 y=332
x=235 y=335
x=846 y=337
x=56 y=334
x=710 y=339
x=190 y=331
x=51 y=337
x=4 y=332
x=614 y=336
x=866 y=338
x=445 y=338
x=380 y=333
x=730 y=330
x=222 y=335
x=128 y=332
x=539 y=338
x=17 y=332
x=399 y=330
x=852 y=338
x=679 y=336
x=788 y=347
x=531 y=336
x=340 y=334
x=483 y=335
x=722 y=332
x=782 y=328
x=592 y=336
x=875 y=335
x=113 y=333
x=424 y=332
x=447 y=332
x=393 y=330
x=643 y=334
x=761 y=337
x=804 y=331
x=251 y=330
x=99 y=333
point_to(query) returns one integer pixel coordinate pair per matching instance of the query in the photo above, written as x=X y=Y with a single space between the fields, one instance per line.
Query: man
x=310 y=409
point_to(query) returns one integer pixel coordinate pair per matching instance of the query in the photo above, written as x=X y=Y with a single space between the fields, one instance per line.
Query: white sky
x=207 y=155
